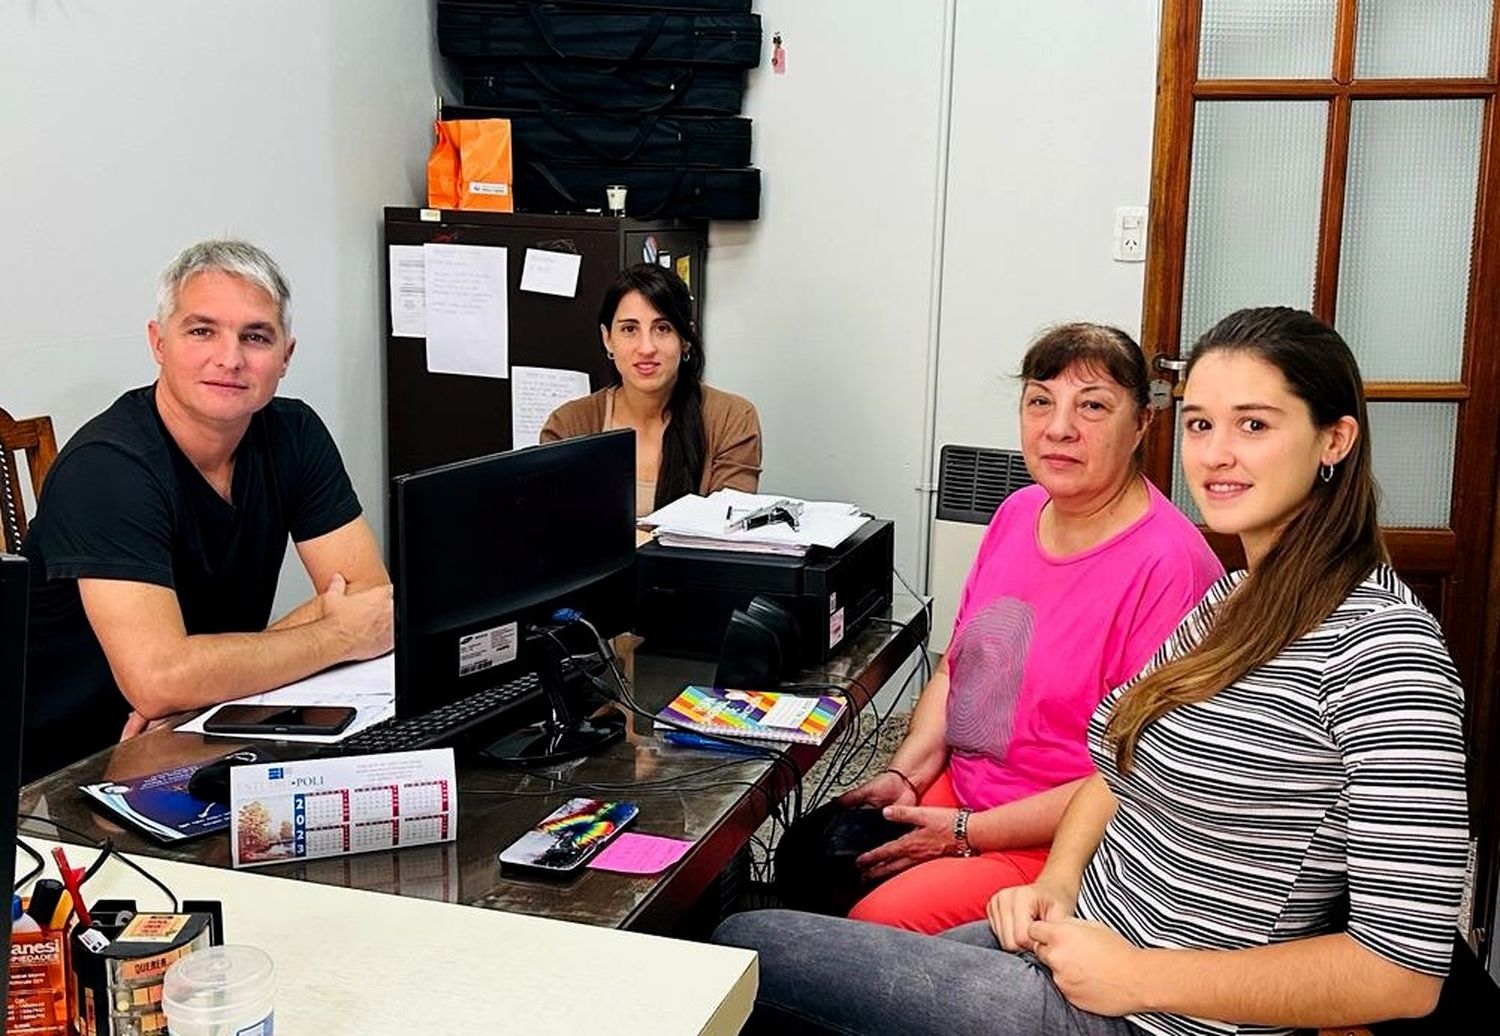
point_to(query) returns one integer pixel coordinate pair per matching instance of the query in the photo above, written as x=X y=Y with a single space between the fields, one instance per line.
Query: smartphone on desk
x=567 y=837
x=280 y=719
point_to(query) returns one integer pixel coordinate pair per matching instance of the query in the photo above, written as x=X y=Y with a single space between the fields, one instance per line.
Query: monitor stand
x=568 y=732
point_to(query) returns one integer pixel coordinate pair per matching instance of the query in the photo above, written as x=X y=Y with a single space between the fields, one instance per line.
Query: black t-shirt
x=122 y=501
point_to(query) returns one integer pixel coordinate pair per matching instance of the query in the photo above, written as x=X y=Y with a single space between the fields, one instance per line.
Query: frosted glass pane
x=1413 y=444
x=1413 y=448
x=1436 y=38
x=1408 y=235
x=1266 y=39
x=1253 y=208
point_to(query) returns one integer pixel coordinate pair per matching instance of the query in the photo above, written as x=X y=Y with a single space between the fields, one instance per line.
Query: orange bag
x=469 y=167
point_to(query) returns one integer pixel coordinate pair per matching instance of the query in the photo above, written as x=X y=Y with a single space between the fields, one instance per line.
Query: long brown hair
x=1327 y=549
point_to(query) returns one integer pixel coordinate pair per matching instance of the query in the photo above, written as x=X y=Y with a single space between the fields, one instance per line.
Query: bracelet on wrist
x=904 y=780
x=961 y=833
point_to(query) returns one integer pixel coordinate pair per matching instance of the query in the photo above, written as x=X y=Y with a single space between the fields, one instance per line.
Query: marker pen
x=688 y=739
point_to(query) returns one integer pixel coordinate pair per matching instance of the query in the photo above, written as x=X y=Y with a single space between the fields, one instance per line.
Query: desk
x=355 y=962
x=496 y=806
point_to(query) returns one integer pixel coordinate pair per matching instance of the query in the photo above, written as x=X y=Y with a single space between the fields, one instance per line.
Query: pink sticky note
x=640 y=854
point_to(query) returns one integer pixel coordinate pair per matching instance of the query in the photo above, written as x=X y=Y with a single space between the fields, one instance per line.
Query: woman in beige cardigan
x=689 y=437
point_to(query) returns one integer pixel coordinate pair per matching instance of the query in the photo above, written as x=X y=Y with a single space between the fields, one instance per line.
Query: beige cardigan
x=730 y=426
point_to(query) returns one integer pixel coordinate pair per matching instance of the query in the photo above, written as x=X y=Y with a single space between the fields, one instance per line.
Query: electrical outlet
x=1130 y=233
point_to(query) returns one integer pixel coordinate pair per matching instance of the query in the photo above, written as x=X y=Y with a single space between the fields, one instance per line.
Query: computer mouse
x=211 y=781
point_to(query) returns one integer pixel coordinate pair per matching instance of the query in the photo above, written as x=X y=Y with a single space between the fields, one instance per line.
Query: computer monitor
x=487 y=549
x=14 y=595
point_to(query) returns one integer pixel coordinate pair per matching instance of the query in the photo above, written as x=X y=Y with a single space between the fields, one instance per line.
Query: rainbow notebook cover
x=756 y=715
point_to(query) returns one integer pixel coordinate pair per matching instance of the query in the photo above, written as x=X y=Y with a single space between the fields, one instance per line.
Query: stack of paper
x=704 y=522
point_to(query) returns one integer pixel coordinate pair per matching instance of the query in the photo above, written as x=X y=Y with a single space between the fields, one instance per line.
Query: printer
x=686 y=595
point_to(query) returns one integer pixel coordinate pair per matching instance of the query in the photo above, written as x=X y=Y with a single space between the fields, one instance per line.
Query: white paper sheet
x=551 y=273
x=468 y=324
x=534 y=393
x=696 y=521
x=408 y=292
x=369 y=686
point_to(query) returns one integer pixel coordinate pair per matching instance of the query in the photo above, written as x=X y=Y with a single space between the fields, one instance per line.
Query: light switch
x=1130 y=233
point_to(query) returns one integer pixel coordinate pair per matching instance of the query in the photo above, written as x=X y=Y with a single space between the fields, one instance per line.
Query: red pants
x=951 y=890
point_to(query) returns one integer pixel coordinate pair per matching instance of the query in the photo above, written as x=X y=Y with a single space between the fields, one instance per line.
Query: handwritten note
x=551 y=273
x=631 y=853
x=408 y=292
x=534 y=393
x=468 y=328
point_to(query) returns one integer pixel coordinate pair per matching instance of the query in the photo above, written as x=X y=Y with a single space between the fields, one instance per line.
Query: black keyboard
x=441 y=725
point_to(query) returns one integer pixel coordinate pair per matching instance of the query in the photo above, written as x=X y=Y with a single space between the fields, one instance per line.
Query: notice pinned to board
x=408 y=292
x=534 y=393
x=467 y=314
x=551 y=273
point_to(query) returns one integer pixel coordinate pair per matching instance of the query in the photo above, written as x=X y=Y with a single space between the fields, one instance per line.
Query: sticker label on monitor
x=487 y=649
x=835 y=627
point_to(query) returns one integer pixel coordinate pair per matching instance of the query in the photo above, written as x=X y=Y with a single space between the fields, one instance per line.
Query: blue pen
x=690 y=740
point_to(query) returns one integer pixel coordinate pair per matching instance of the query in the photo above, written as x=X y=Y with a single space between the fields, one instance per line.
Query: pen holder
x=119 y=986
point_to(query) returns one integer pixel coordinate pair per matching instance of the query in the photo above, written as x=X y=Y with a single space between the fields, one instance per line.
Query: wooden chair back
x=31 y=436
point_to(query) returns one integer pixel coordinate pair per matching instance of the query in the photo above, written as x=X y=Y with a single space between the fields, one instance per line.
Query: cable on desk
x=626 y=698
x=38 y=865
x=106 y=849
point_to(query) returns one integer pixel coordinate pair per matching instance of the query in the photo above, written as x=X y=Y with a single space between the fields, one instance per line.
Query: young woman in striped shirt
x=1276 y=837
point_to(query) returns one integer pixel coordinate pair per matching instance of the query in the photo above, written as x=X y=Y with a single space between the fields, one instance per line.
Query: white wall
x=820 y=312
x=130 y=130
x=1053 y=107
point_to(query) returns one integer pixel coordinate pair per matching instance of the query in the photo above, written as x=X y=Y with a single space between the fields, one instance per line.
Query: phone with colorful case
x=568 y=836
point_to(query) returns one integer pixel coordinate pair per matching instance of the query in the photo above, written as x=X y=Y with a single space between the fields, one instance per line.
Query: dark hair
x=1327 y=549
x=1097 y=347
x=684 y=446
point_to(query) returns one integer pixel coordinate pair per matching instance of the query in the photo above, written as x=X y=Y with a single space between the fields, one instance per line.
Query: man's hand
x=884 y=789
x=932 y=837
x=1012 y=912
x=364 y=619
x=1092 y=965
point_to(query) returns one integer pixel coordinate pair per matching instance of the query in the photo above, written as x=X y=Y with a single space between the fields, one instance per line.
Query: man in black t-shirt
x=162 y=526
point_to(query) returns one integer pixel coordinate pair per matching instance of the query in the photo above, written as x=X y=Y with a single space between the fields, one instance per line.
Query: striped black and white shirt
x=1337 y=768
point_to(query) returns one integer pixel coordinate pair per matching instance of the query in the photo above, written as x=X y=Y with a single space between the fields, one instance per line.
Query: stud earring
x=1325 y=472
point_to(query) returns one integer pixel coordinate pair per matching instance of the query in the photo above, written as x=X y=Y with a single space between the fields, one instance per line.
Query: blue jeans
x=831 y=974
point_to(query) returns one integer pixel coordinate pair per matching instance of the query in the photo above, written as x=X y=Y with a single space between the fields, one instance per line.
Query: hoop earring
x=687 y=354
x=609 y=354
x=1325 y=472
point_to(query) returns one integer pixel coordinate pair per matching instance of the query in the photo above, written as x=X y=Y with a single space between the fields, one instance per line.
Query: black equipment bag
x=616 y=140
x=700 y=5
x=617 y=36
x=707 y=90
x=654 y=191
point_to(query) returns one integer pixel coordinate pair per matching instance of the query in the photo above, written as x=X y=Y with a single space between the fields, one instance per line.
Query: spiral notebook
x=753 y=715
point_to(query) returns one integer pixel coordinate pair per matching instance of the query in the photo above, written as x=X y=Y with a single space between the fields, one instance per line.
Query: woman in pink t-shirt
x=1077 y=582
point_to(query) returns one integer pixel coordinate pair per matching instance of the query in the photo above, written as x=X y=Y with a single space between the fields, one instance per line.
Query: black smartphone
x=858 y=830
x=568 y=836
x=280 y=719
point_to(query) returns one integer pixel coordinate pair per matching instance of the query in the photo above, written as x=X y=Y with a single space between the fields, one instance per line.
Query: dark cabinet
x=434 y=419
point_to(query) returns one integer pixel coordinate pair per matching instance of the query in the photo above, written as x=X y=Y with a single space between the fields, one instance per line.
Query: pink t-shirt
x=1040 y=640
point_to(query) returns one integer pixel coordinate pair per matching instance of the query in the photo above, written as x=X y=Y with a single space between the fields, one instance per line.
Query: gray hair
x=235 y=258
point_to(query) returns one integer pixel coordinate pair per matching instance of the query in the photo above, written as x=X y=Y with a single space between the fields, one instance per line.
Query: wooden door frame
x=1471 y=611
